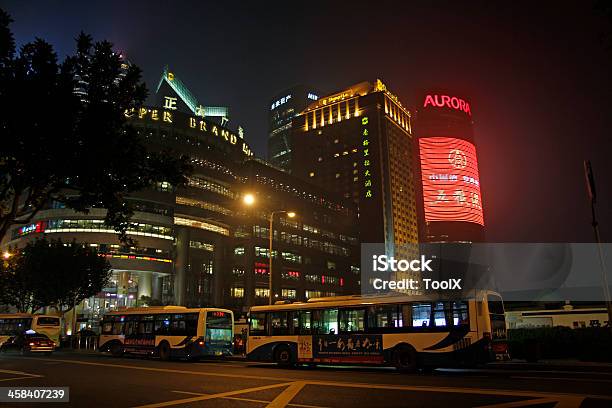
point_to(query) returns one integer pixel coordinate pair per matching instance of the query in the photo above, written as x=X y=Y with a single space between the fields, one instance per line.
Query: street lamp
x=249 y=199
x=6 y=255
x=290 y=214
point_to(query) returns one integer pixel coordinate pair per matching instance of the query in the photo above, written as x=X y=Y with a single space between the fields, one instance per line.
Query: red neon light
x=451 y=186
x=449 y=101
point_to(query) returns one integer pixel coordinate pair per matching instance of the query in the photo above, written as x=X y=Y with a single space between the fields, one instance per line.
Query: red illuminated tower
x=451 y=198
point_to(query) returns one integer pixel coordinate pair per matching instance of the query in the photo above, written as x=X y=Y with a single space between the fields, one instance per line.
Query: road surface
x=103 y=381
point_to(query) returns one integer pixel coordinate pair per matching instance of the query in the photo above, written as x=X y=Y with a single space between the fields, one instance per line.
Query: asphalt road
x=103 y=381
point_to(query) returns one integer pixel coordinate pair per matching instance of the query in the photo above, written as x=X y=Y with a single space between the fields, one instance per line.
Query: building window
x=313 y=278
x=291 y=275
x=329 y=280
x=261 y=268
x=331 y=265
x=289 y=293
x=239 y=251
x=291 y=257
x=262 y=292
x=237 y=271
x=264 y=252
x=237 y=292
x=201 y=245
x=312 y=294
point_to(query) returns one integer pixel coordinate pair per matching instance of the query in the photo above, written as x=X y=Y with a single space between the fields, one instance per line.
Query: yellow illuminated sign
x=192 y=122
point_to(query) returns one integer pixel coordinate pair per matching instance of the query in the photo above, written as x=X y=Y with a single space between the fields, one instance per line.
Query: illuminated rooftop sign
x=280 y=102
x=192 y=122
x=447 y=101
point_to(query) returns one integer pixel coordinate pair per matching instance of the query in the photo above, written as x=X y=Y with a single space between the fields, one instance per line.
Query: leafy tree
x=64 y=133
x=52 y=273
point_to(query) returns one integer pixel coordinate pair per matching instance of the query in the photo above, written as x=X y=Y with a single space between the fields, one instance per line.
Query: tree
x=65 y=136
x=52 y=273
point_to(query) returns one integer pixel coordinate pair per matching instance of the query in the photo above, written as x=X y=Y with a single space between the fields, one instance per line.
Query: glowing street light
x=249 y=199
x=6 y=255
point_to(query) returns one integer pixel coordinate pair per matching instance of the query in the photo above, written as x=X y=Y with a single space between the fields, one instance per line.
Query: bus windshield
x=219 y=326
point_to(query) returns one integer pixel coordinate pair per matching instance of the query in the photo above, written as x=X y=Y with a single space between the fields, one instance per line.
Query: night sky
x=538 y=77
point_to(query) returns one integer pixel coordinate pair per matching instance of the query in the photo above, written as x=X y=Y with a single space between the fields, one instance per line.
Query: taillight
x=201 y=342
x=31 y=344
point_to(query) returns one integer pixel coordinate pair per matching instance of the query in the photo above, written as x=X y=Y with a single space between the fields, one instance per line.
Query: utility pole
x=592 y=193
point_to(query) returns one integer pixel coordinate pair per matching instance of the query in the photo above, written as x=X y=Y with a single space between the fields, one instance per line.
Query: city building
x=200 y=244
x=284 y=106
x=358 y=142
x=449 y=193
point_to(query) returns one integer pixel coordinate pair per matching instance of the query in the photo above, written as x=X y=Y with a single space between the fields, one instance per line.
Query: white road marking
x=285 y=397
x=252 y=400
x=212 y=396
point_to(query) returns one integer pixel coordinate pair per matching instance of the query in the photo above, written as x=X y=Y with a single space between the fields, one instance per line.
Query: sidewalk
x=553 y=365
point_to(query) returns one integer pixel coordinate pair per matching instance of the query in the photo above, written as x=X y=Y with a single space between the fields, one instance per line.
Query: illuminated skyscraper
x=358 y=142
x=450 y=193
x=283 y=108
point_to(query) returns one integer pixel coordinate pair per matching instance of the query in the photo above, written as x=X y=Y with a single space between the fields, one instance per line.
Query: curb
x=553 y=366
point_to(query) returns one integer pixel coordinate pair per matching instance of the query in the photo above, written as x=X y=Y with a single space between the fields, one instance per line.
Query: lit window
x=262 y=292
x=237 y=292
x=311 y=174
x=289 y=293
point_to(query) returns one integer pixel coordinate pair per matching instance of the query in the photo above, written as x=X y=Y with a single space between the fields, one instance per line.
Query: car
x=28 y=342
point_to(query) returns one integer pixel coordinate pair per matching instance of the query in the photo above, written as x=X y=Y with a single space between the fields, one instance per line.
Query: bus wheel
x=282 y=355
x=116 y=350
x=164 y=351
x=405 y=359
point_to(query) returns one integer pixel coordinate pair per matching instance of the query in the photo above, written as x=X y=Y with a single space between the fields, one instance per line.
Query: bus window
x=421 y=314
x=294 y=323
x=460 y=314
x=48 y=321
x=14 y=326
x=389 y=317
x=496 y=305
x=178 y=326
x=145 y=325
x=439 y=317
x=191 y=324
x=162 y=325
x=304 y=319
x=107 y=327
x=278 y=321
x=131 y=326
x=118 y=327
x=352 y=320
x=257 y=326
x=325 y=321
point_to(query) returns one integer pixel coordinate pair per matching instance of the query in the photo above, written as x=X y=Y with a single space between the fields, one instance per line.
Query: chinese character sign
x=451 y=186
x=367 y=165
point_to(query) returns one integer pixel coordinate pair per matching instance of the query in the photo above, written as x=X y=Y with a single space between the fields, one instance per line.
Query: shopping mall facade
x=200 y=244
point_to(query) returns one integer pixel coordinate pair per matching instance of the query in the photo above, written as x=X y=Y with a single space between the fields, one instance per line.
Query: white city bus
x=17 y=323
x=407 y=332
x=168 y=331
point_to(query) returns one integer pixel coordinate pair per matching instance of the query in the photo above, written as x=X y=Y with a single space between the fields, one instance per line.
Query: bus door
x=499 y=339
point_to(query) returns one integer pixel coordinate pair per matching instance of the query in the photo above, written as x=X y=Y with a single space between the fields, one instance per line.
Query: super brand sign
x=452 y=102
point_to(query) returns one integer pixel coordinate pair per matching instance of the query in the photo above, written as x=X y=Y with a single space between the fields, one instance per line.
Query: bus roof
x=24 y=315
x=356 y=300
x=163 y=309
